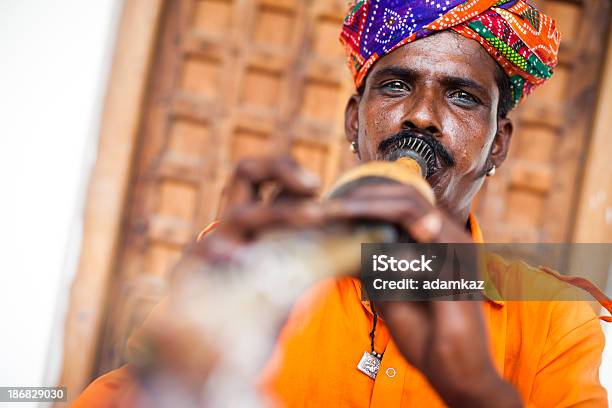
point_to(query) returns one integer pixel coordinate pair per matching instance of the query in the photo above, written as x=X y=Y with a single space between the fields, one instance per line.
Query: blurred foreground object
x=219 y=325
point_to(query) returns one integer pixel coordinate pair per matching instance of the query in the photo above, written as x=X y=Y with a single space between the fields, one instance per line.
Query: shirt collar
x=490 y=291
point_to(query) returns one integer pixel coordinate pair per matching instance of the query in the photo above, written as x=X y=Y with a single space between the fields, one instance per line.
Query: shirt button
x=390 y=372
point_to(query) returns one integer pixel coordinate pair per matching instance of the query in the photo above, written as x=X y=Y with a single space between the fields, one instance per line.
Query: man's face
x=442 y=89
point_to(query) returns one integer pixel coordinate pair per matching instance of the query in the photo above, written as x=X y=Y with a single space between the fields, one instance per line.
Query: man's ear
x=351 y=118
x=501 y=143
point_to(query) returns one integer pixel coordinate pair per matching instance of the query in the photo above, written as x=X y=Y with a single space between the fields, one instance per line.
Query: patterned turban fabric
x=522 y=40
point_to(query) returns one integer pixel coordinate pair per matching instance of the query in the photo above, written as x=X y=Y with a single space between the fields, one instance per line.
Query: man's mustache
x=386 y=148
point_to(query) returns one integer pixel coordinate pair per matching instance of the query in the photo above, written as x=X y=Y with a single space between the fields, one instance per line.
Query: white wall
x=54 y=60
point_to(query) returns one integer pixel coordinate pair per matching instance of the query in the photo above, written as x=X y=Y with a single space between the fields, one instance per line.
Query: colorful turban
x=522 y=40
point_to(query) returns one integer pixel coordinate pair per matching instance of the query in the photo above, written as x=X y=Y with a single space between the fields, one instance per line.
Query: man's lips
x=413 y=146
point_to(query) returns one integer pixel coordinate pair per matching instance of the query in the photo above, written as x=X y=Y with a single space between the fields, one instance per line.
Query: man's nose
x=422 y=113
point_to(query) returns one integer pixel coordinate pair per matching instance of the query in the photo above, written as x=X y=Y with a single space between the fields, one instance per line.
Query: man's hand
x=447 y=342
x=245 y=215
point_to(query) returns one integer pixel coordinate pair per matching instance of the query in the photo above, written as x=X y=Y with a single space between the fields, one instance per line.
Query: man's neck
x=461 y=215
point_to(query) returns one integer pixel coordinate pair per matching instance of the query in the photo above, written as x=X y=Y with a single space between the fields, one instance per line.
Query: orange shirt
x=550 y=352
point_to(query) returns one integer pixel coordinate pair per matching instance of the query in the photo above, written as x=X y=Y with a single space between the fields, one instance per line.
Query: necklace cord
x=373 y=332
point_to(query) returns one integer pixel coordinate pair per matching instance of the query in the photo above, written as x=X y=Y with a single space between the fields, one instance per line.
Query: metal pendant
x=369 y=364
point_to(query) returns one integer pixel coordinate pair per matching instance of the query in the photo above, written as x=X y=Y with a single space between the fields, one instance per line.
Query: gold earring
x=353 y=147
x=491 y=172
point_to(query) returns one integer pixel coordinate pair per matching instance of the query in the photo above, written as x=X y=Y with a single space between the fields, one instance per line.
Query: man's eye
x=464 y=97
x=395 y=85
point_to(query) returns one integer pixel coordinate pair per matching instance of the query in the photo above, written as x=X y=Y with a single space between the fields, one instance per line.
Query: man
x=446 y=72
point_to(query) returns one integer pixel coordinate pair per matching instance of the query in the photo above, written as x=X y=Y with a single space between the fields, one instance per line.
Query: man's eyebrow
x=395 y=72
x=460 y=82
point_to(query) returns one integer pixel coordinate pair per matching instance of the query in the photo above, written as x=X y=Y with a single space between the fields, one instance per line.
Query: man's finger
x=285 y=172
x=397 y=210
x=250 y=173
x=254 y=218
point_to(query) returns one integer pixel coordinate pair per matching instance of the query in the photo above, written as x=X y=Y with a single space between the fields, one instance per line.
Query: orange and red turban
x=523 y=41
